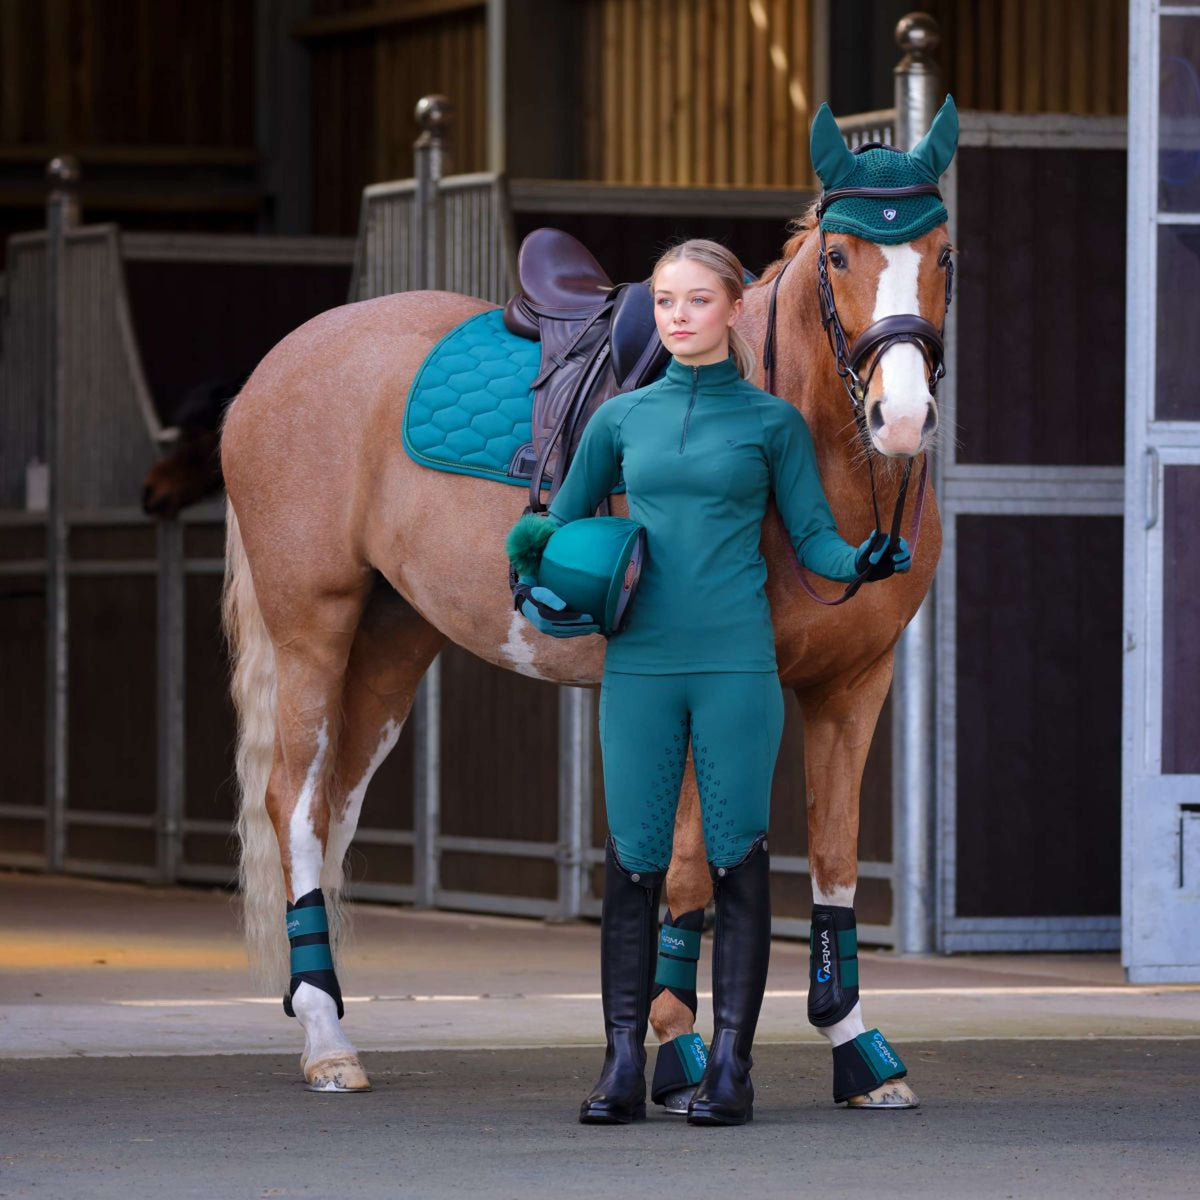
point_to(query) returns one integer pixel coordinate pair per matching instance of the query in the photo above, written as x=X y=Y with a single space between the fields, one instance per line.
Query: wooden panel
x=78 y=72
x=1035 y=56
x=1039 y=716
x=111 y=695
x=366 y=84
x=1041 y=334
x=699 y=92
x=22 y=682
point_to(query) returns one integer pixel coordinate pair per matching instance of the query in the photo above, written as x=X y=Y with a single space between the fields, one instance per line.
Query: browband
x=868 y=193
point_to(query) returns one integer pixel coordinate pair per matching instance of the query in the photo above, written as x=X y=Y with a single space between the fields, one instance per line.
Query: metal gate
x=1161 y=778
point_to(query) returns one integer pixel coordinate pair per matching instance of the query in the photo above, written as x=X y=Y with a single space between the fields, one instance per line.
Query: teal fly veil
x=889 y=220
x=594 y=565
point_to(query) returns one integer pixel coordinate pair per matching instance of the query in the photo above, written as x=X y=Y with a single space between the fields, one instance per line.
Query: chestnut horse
x=350 y=565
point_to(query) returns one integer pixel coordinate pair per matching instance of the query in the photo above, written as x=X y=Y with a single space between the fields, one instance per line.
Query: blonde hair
x=724 y=264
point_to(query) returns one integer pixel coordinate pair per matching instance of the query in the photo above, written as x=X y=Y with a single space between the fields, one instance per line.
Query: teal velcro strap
x=848 y=972
x=673 y=973
x=311 y=958
x=878 y=1054
x=692 y=1054
x=679 y=943
x=307 y=920
x=847 y=943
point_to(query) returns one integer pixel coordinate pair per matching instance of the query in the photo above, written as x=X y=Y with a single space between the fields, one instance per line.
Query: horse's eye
x=944 y=258
x=837 y=260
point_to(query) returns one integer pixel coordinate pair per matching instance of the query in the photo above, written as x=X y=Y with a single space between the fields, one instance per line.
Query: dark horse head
x=190 y=469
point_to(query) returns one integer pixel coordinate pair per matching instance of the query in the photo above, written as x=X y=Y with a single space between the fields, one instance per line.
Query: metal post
x=430 y=161
x=62 y=213
x=918 y=90
x=497 y=87
x=427 y=794
x=576 y=710
x=170 y=668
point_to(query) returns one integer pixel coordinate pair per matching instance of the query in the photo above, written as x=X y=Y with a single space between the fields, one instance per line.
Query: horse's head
x=885 y=272
x=189 y=473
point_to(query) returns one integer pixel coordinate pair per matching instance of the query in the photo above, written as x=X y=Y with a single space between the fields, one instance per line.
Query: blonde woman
x=700 y=451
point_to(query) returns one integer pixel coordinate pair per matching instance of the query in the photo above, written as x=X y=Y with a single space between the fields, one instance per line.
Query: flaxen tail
x=260 y=874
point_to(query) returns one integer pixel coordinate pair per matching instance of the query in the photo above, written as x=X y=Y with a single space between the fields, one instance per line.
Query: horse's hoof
x=677 y=1102
x=337 y=1073
x=895 y=1093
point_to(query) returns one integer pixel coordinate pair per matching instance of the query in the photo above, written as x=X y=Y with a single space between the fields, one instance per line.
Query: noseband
x=867 y=351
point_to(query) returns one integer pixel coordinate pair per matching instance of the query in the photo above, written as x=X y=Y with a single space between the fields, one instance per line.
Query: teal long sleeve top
x=700 y=451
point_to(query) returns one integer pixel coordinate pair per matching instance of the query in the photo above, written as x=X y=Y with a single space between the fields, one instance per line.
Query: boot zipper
x=691 y=404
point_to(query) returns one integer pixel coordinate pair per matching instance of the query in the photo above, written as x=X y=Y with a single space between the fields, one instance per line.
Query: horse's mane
x=799 y=227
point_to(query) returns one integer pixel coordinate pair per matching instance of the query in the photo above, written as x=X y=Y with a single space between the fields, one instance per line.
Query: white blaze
x=902 y=366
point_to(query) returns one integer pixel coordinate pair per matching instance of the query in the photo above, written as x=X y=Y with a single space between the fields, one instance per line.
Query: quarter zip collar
x=711 y=375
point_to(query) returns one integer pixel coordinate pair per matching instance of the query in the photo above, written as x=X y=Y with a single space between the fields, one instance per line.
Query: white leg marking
x=837 y=897
x=341 y=831
x=902 y=367
x=317 y=1014
x=847 y=1029
x=518 y=649
x=305 y=846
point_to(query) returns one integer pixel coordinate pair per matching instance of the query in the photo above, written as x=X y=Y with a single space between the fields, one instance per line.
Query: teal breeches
x=733 y=721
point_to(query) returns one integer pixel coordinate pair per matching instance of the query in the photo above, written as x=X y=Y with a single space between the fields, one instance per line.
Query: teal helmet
x=594 y=565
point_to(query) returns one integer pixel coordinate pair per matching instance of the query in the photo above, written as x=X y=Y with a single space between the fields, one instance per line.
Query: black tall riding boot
x=628 y=943
x=741 y=952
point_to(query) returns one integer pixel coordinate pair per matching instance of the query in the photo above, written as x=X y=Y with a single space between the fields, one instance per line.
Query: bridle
x=867 y=350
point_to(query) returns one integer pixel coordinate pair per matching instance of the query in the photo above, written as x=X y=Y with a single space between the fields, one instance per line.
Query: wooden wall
x=372 y=60
x=156 y=99
x=698 y=92
x=1035 y=56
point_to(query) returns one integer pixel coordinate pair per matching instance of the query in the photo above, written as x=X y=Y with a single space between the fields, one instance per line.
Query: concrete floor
x=135 y=1061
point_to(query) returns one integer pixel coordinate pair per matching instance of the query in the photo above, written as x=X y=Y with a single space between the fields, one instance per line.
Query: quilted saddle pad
x=470 y=406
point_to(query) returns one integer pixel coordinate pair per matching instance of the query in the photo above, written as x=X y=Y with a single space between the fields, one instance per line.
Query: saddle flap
x=521 y=320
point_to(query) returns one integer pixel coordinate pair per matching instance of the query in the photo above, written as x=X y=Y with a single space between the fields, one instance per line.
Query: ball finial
x=918 y=33
x=63 y=170
x=433 y=113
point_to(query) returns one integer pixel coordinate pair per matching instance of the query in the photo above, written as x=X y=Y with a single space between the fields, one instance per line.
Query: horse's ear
x=831 y=160
x=933 y=152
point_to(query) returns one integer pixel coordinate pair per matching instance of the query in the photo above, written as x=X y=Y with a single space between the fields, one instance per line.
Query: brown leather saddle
x=598 y=340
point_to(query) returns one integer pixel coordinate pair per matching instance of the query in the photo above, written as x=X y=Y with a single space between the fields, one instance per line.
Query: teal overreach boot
x=628 y=925
x=741 y=953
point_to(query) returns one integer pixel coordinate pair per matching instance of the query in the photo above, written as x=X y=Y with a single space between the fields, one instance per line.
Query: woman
x=700 y=451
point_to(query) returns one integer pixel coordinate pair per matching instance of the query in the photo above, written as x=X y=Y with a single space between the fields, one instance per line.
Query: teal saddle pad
x=470 y=407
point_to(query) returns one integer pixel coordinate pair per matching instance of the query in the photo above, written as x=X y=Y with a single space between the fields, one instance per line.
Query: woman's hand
x=880 y=559
x=548 y=612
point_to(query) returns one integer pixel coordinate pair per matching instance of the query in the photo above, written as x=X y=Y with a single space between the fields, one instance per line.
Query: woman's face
x=693 y=313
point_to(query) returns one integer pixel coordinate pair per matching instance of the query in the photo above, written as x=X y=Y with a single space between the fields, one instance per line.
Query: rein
x=869 y=347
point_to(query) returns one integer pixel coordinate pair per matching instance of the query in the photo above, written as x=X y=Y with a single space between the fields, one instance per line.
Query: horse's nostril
x=931 y=420
x=875 y=418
